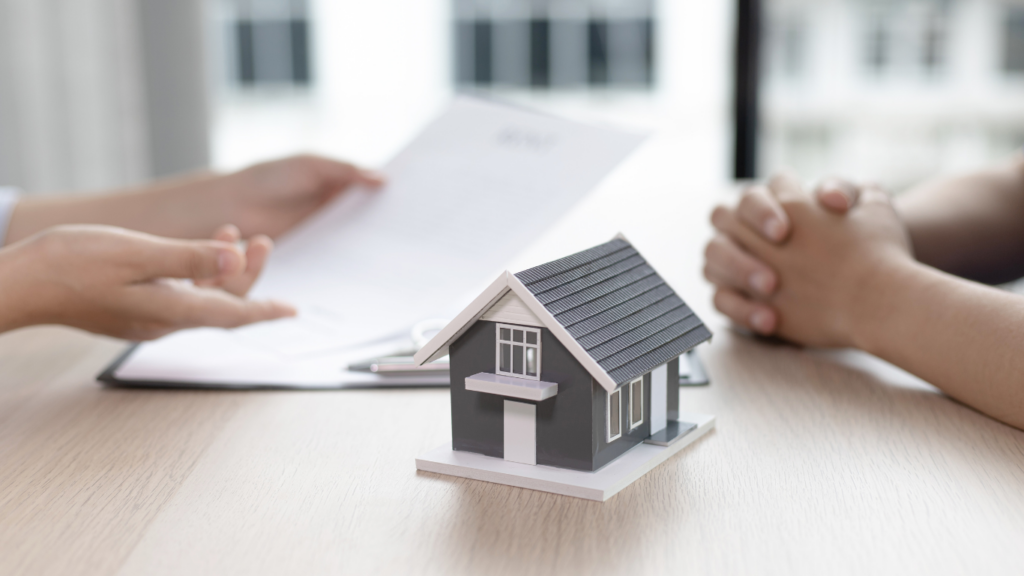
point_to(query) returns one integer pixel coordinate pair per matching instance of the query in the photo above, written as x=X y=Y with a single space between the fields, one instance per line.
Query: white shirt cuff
x=8 y=199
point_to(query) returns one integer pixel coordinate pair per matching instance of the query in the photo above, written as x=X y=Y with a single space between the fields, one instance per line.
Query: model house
x=570 y=364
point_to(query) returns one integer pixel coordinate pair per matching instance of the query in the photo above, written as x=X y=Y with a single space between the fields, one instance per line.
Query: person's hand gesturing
x=132 y=285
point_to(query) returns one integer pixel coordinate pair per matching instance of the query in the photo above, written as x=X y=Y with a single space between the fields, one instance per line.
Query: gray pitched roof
x=617 y=308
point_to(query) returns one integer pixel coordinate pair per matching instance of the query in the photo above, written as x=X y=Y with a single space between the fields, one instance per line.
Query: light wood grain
x=820 y=463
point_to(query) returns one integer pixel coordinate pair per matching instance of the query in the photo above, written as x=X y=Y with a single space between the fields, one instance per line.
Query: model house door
x=520 y=432
x=659 y=398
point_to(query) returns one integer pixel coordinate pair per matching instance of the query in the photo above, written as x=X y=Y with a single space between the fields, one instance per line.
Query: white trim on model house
x=510 y=339
x=636 y=403
x=613 y=397
x=438 y=345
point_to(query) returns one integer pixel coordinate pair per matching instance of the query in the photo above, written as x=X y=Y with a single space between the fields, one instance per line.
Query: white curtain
x=72 y=98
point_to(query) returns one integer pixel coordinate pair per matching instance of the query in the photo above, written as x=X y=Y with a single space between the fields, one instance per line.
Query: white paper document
x=474 y=188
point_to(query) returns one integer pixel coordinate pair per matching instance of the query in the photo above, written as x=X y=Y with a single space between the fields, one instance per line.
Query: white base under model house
x=570 y=365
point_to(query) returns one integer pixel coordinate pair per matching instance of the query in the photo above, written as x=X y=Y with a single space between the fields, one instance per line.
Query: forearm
x=971 y=226
x=20 y=292
x=965 y=338
x=189 y=207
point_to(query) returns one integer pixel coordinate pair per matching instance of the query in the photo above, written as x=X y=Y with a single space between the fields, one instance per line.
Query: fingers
x=726 y=221
x=227 y=233
x=219 y=309
x=257 y=251
x=728 y=266
x=339 y=175
x=837 y=194
x=755 y=316
x=762 y=212
x=256 y=255
x=156 y=257
x=786 y=187
x=371 y=178
x=175 y=305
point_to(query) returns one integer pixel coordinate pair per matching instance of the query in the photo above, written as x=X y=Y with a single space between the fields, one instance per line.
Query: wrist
x=191 y=208
x=214 y=202
x=880 y=297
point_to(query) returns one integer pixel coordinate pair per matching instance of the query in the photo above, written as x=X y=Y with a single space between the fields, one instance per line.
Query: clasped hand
x=806 y=266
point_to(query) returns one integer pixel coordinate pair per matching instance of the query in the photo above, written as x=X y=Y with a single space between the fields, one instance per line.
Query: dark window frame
x=746 y=88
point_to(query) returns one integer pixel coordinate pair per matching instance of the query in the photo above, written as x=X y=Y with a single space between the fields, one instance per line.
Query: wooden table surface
x=822 y=462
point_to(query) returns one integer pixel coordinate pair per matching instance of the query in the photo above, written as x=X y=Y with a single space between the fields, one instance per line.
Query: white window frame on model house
x=636 y=400
x=527 y=348
x=617 y=393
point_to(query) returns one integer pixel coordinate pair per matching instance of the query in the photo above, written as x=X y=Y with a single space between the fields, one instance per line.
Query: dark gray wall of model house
x=564 y=424
x=477 y=418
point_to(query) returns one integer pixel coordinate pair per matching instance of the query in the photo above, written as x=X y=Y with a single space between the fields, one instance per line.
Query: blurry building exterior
x=264 y=44
x=554 y=44
x=378 y=70
x=893 y=90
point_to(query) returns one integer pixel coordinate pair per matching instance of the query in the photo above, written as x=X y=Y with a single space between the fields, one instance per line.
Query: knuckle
x=747 y=203
x=755 y=208
x=780 y=178
x=721 y=301
x=721 y=251
x=711 y=248
x=719 y=216
x=708 y=274
x=196 y=265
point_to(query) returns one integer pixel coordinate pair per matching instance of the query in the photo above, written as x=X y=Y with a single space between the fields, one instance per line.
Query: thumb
x=837 y=195
x=194 y=259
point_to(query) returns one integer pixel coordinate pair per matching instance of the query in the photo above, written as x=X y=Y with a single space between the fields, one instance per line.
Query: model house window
x=614 y=414
x=636 y=403
x=518 y=351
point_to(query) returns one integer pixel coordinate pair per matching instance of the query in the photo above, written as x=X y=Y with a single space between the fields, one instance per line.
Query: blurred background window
x=555 y=44
x=1013 y=40
x=267 y=43
x=377 y=71
x=890 y=90
x=104 y=93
